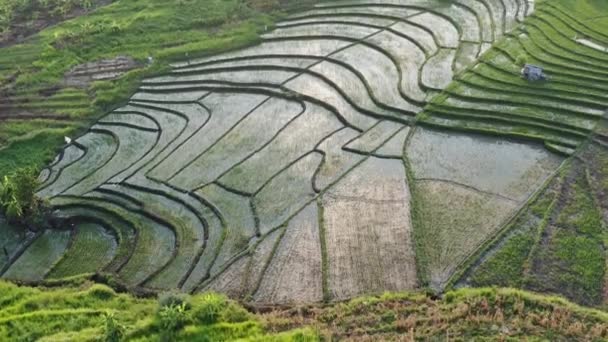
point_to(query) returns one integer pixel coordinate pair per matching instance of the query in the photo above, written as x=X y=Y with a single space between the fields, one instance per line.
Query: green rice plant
x=91 y=242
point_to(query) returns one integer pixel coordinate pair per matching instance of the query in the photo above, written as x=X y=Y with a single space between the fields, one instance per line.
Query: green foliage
x=59 y=314
x=171 y=319
x=208 y=308
x=18 y=200
x=173 y=298
x=81 y=311
x=113 y=331
x=33 y=151
x=101 y=292
x=505 y=268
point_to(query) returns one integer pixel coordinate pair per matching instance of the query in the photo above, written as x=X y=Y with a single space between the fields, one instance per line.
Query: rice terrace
x=357 y=147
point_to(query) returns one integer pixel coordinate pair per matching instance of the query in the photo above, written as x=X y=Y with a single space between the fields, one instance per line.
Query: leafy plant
x=113 y=331
x=209 y=308
x=173 y=298
x=19 y=202
x=172 y=318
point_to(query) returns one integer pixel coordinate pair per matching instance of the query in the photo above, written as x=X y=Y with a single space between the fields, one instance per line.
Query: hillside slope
x=296 y=171
x=92 y=312
x=56 y=81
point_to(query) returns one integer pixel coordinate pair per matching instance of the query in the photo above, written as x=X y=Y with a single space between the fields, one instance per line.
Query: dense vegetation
x=19 y=202
x=85 y=312
x=96 y=312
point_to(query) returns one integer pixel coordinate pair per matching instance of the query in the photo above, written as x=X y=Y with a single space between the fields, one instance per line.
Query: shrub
x=235 y=313
x=208 y=308
x=172 y=318
x=101 y=292
x=19 y=202
x=173 y=298
x=113 y=331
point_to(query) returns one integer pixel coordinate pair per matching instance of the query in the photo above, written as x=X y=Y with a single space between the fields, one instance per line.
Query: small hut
x=533 y=73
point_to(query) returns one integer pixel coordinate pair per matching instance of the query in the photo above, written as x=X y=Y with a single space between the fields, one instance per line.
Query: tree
x=19 y=202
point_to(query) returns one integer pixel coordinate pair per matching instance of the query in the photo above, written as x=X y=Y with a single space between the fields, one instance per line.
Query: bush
x=101 y=292
x=19 y=202
x=172 y=318
x=208 y=308
x=112 y=331
x=173 y=298
x=235 y=313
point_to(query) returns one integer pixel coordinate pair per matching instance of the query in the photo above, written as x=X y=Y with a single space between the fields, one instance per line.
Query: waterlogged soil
x=277 y=173
x=494 y=165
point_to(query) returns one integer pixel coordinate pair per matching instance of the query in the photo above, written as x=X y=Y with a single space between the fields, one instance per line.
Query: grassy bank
x=88 y=312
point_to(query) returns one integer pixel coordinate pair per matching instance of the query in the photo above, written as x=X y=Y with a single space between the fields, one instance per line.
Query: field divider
x=491 y=132
x=186 y=205
x=470 y=261
x=30 y=240
x=315 y=198
x=48 y=182
x=126 y=244
x=92 y=172
x=511 y=117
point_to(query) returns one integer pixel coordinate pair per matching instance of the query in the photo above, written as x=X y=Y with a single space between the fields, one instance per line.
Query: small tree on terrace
x=19 y=202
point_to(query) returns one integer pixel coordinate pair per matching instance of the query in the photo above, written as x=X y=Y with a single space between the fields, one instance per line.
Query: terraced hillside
x=90 y=58
x=336 y=158
x=493 y=98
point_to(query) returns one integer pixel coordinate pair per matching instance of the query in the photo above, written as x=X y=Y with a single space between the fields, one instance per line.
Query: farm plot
x=12 y=239
x=452 y=222
x=336 y=160
x=99 y=146
x=560 y=113
x=246 y=137
x=121 y=230
x=505 y=168
x=558 y=242
x=294 y=274
x=277 y=173
x=367 y=231
x=182 y=220
x=297 y=139
x=91 y=249
x=69 y=155
x=227 y=109
x=38 y=259
x=467 y=186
